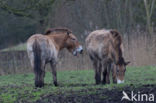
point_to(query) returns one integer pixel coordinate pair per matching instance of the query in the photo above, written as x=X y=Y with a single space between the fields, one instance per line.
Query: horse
x=105 y=49
x=44 y=48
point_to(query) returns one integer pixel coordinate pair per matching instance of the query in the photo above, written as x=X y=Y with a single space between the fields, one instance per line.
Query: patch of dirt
x=98 y=95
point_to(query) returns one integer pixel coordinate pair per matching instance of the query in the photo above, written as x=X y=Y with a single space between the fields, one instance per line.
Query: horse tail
x=37 y=63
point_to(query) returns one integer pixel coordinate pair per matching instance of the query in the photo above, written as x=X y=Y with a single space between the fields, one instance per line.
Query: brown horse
x=105 y=48
x=43 y=49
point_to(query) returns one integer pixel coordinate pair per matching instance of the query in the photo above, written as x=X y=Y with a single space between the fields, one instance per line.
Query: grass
x=19 y=47
x=20 y=87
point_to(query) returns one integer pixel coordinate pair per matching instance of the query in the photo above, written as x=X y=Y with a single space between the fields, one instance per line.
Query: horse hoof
x=55 y=83
x=97 y=83
x=103 y=83
x=39 y=85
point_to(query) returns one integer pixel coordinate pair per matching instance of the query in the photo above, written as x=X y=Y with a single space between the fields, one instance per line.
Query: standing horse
x=105 y=48
x=43 y=49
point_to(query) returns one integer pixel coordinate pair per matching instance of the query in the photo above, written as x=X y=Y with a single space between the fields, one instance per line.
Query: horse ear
x=114 y=33
x=47 y=32
x=68 y=33
x=126 y=63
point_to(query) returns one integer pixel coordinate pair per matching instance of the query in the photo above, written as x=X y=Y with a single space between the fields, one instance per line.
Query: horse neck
x=59 y=40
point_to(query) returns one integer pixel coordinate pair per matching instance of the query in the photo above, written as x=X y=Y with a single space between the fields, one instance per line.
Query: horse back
x=102 y=43
x=46 y=45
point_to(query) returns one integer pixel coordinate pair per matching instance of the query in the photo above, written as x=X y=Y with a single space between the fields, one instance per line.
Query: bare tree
x=149 y=10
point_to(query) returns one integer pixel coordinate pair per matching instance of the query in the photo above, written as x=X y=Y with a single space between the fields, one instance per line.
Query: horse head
x=73 y=45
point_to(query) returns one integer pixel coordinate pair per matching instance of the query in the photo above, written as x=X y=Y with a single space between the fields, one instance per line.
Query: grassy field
x=19 y=47
x=74 y=87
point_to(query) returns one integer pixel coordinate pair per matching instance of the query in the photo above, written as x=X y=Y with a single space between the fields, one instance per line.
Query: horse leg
x=104 y=74
x=53 y=67
x=97 y=67
x=107 y=74
x=43 y=72
x=99 y=71
x=114 y=74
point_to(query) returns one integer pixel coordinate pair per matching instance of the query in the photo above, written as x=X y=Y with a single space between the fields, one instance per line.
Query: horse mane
x=117 y=44
x=117 y=37
x=50 y=30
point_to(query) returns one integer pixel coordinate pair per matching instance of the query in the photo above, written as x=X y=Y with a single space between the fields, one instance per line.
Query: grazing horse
x=43 y=49
x=105 y=50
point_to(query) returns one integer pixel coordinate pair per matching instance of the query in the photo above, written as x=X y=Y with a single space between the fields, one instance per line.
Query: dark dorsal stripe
x=50 y=30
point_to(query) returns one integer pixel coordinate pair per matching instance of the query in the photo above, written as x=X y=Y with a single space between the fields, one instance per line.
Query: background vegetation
x=21 y=18
x=134 y=19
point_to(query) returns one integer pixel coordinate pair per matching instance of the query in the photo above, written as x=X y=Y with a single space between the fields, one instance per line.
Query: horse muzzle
x=120 y=81
x=80 y=49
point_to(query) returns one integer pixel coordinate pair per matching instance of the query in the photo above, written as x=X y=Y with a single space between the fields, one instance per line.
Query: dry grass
x=140 y=50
